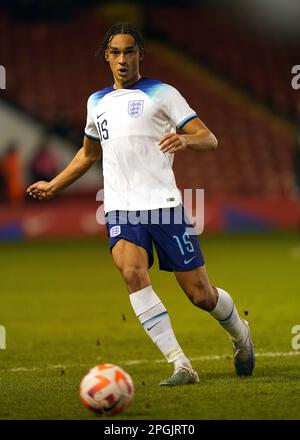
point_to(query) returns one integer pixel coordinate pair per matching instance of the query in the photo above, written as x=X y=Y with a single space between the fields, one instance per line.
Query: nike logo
x=98 y=116
x=188 y=261
x=149 y=328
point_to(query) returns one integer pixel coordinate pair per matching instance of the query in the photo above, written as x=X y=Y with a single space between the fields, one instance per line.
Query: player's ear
x=141 y=56
x=106 y=56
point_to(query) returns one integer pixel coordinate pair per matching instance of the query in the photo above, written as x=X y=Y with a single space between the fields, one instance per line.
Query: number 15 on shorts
x=185 y=245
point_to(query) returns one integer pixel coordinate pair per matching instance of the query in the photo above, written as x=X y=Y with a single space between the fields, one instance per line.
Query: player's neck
x=126 y=83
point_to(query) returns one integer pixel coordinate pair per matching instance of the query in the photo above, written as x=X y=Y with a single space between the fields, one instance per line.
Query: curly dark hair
x=120 y=28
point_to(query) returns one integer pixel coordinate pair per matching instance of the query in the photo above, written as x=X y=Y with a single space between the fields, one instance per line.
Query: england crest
x=115 y=230
x=135 y=108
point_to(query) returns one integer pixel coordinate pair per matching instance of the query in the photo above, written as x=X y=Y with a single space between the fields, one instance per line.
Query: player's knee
x=134 y=276
x=203 y=297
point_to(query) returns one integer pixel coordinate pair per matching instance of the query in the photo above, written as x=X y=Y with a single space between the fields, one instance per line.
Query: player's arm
x=82 y=161
x=196 y=137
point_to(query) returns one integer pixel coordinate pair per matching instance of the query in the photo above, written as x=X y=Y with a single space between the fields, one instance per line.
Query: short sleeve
x=176 y=107
x=90 y=129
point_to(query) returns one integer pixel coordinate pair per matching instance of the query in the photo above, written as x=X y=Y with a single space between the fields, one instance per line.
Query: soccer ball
x=107 y=389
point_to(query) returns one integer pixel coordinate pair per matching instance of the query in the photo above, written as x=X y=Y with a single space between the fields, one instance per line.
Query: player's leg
x=178 y=251
x=132 y=262
x=196 y=285
x=220 y=305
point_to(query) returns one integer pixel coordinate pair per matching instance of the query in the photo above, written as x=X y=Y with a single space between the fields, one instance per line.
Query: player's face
x=123 y=56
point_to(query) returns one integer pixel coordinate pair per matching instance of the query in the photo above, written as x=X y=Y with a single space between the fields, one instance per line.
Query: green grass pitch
x=65 y=309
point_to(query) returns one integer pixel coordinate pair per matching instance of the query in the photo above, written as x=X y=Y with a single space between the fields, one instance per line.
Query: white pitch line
x=146 y=361
x=217 y=357
x=270 y=354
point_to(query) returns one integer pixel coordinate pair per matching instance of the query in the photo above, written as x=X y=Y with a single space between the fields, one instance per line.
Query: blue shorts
x=177 y=250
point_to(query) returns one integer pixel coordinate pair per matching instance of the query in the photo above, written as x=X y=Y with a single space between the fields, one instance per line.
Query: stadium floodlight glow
x=296 y=78
x=2 y=338
x=2 y=78
x=279 y=16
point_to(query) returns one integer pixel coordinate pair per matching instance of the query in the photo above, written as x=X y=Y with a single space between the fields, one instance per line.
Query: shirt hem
x=143 y=208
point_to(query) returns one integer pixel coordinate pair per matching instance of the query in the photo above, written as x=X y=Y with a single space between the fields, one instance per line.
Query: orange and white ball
x=107 y=389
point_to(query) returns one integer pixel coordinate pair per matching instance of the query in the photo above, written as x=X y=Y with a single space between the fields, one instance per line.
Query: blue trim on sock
x=154 y=317
x=229 y=316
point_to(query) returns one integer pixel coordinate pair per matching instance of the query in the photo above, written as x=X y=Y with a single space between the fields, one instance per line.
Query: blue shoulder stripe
x=95 y=97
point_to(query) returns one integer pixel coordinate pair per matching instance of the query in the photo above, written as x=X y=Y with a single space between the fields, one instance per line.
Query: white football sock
x=156 y=322
x=225 y=312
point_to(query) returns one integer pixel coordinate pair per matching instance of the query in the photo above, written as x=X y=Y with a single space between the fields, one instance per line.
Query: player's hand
x=41 y=190
x=172 y=142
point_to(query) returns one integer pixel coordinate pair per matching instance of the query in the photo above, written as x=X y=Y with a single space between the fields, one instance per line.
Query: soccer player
x=133 y=122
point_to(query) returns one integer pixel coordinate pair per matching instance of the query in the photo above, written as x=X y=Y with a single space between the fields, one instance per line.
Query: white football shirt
x=129 y=123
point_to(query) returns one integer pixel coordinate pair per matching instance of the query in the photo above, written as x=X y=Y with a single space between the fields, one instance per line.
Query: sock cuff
x=224 y=307
x=143 y=300
x=174 y=355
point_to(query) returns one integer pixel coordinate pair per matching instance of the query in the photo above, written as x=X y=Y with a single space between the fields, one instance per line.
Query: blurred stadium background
x=231 y=60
